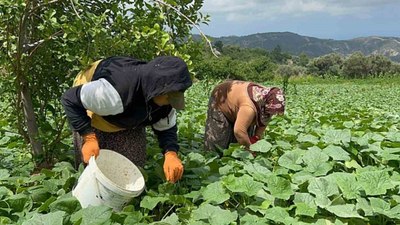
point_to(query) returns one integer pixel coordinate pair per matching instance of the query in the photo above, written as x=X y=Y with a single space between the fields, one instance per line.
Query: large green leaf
x=322 y=187
x=375 y=182
x=393 y=136
x=4 y=174
x=92 y=215
x=362 y=141
x=191 y=222
x=240 y=153
x=394 y=212
x=305 y=204
x=279 y=214
x=172 y=219
x=388 y=154
x=66 y=204
x=133 y=217
x=374 y=147
x=315 y=154
x=249 y=219
x=257 y=171
x=337 y=137
x=53 y=218
x=39 y=194
x=225 y=170
x=261 y=146
x=214 y=215
x=244 y=184
x=18 y=202
x=308 y=138
x=319 y=169
x=322 y=201
x=379 y=206
x=375 y=137
x=396 y=198
x=283 y=145
x=344 y=211
x=303 y=209
x=4 y=192
x=303 y=198
x=364 y=205
x=149 y=202
x=352 y=164
x=302 y=177
x=215 y=193
x=260 y=208
x=4 y=140
x=262 y=194
x=337 y=153
x=279 y=187
x=347 y=183
x=5 y=220
x=52 y=185
x=196 y=157
x=329 y=222
x=316 y=161
x=291 y=160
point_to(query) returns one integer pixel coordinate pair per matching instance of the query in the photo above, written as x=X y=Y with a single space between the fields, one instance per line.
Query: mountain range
x=296 y=44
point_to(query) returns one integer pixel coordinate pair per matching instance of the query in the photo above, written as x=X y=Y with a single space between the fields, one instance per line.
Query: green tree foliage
x=395 y=69
x=218 y=45
x=287 y=71
x=327 y=65
x=214 y=68
x=45 y=43
x=303 y=59
x=237 y=63
x=379 y=65
x=356 y=66
x=290 y=70
x=279 y=56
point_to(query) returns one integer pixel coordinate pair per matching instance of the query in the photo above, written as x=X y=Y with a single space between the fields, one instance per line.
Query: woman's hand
x=90 y=147
x=173 y=168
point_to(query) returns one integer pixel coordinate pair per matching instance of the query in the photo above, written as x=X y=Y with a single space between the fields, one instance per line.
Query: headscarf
x=269 y=101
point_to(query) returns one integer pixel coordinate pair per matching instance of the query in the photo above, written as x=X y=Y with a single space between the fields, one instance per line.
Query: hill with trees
x=314 y=47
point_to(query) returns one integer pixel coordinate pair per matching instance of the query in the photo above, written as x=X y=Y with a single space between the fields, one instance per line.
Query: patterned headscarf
x=268 y=101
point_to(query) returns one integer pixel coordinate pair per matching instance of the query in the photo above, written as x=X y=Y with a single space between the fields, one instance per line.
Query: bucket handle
x=92 y=162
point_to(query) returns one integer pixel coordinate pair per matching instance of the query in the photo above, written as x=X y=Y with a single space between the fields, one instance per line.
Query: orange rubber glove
x=173 y=168
x=90 y=146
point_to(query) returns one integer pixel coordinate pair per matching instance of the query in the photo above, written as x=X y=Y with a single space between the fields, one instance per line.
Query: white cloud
x=248 y=10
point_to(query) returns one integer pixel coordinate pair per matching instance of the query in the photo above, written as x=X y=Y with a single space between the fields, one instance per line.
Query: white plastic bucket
x=111 y=179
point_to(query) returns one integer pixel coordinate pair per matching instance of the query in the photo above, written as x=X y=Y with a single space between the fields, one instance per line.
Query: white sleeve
x=100 y=97
x=167 y=122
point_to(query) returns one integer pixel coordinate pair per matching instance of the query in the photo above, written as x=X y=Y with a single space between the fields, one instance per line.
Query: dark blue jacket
x=121 y=91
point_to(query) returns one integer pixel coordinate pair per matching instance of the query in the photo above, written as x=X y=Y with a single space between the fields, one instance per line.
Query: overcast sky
x=335 y=19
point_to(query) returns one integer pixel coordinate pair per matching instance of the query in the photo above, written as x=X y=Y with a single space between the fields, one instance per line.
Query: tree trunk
x=23 y=87
x=30 y=119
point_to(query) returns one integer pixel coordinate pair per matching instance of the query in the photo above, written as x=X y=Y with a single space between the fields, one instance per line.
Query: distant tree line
x=261 y=65
x=240 y=63
x=357 y=65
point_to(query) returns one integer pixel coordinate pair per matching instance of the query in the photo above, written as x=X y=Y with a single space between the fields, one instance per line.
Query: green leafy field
x=332 y=159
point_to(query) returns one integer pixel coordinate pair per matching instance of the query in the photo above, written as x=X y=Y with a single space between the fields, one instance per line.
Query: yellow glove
x=90 y=147
x=173 y=168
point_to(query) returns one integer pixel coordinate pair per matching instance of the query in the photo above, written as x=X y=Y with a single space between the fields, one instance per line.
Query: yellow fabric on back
x=97 y=121
x=100 y=123
x=85 y=76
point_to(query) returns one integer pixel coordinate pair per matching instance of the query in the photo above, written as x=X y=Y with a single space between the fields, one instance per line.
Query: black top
x=136 y=83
